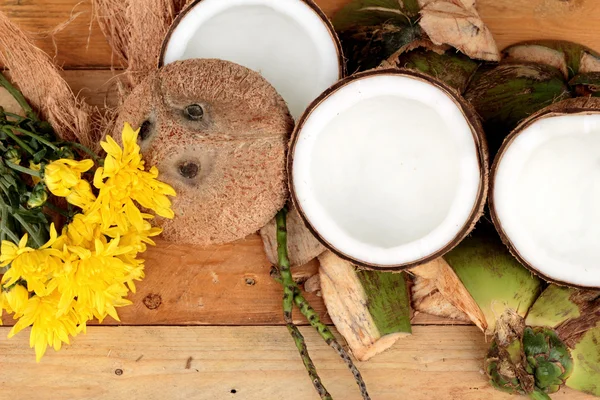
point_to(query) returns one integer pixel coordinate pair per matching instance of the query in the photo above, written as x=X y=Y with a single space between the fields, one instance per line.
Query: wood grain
x=123 y=363
x=81 y=44
x=218 y=285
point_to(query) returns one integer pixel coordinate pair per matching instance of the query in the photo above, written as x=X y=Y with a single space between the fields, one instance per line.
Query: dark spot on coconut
x=145 y=130
x=194 y=112
x=189 y=169
x=118 y=372
x=233 y=391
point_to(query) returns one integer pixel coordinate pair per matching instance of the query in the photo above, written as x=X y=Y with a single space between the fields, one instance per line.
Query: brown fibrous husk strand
x=238 y=147
x=40 y=81
x=426 y=298
x=579 y=105
x=571 y=331
x=135 y=31
x=480 y=144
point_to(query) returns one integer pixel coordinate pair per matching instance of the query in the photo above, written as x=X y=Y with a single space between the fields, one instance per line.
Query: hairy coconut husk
x=302 y=245
x=370 y=309
x=581 y=105
x=506 y=94
x=228 y=167
x=373 y=32
x=135 y=31
x=586 y=84
x=39 y=79
x=426 y=298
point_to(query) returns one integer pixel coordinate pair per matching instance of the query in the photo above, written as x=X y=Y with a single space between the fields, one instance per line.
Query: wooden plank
x=247 y=363
x=510 y=21
x=218 y=285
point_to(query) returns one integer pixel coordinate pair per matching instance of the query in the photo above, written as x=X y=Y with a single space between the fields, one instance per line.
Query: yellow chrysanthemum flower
x=123 y=177
x=35 y=167
x=62 y=175
x=47 y=329
x=81 y=195
x=16 y=300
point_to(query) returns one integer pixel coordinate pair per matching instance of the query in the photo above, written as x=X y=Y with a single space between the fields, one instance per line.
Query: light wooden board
x=262 y=363
x=81 y=44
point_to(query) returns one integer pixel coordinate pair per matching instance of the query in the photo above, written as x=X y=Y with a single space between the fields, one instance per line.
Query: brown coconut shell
x=233 y=157
x=478 y=137
x=581 y=105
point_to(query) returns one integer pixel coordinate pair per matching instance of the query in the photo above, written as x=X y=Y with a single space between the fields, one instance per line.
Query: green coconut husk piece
x=370 y=309
x=586 y=84
x=483 y=280
x=453 y=68
x=496 y=281
x=506 y=94
x=577 y=58
x=557 y=344
x=373 y=32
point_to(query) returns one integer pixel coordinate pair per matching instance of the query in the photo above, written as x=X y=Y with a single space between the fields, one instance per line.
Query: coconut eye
x=145 y=130
x=189 y=169
x=194 y=112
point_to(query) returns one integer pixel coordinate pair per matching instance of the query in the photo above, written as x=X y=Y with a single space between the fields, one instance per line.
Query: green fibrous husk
x=453 y=68
x=495 y=280
x=506 y=94
x=557 y=343
x=586 y=84
x=379 y=32
x=370 y=309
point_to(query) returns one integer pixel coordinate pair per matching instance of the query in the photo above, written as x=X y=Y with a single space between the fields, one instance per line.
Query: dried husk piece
x=370 y=309
x=39 y=79
x=302 y=244
x=426 y=298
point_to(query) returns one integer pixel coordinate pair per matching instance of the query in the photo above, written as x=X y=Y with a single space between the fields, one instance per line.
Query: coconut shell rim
x=564 y=107
x=480 y=146
x=310 y=3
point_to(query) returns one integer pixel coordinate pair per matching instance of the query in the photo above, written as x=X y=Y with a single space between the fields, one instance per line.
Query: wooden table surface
x=206 y=323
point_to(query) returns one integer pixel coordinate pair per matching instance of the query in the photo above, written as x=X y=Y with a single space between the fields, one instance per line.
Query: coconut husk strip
x=135 y=30
x=39 y=79
x=540 y=55
x=426 y=298
x=589 y=63
x=457 y=23
x=302 y=244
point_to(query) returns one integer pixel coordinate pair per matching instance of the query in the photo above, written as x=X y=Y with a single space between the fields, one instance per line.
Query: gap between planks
x=262 y=363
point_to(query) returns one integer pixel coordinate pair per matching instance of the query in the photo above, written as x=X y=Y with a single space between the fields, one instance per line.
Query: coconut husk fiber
x=39 y=79
x=228 y=166
x=135 y=30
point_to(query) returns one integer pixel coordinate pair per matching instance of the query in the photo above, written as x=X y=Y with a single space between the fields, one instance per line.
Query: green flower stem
x=21 y=143
x=289 y=289
x=24 y=170
x=293 y=293
x=4 y=229
x=89 y=152
x=18 y=96
x=18 y=117
x=36 y=137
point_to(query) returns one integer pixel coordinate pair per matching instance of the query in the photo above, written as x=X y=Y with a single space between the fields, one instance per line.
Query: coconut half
x=290 y=42
x=546 y=189
x=388 y=168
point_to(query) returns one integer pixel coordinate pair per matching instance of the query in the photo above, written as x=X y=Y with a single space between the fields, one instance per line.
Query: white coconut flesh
x=547 y=195
x=386 y=170
x=287 y=41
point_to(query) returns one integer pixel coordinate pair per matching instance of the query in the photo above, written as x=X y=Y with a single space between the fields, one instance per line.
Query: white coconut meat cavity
x=546 y=191
x=290 y=42
x=389 y=169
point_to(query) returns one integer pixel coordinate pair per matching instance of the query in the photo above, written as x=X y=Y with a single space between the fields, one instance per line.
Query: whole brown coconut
x=218 y=134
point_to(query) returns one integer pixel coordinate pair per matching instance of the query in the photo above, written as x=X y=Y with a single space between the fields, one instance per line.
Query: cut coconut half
x=290 y=42
x=388 y=168
x=546 y=190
